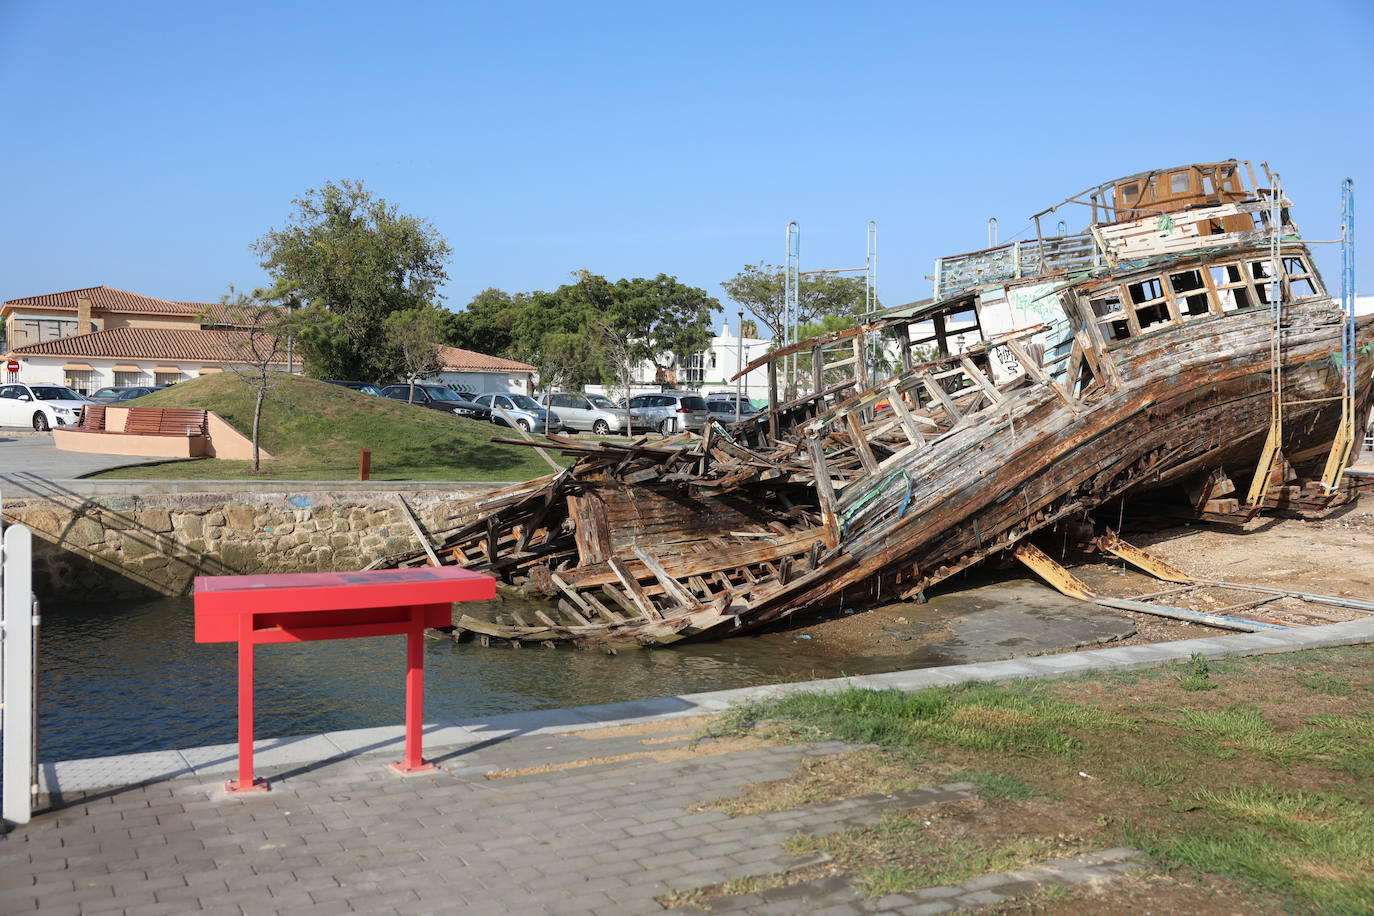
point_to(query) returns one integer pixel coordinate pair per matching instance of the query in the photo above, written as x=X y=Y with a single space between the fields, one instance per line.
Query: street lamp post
x=739 y=360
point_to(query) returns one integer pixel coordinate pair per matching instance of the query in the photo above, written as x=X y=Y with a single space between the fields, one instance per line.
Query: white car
x=40 y=406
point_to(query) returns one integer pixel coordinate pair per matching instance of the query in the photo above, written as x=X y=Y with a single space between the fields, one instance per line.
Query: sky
x=146 y=145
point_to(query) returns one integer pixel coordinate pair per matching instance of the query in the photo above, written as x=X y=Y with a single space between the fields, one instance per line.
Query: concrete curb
x=445 y=738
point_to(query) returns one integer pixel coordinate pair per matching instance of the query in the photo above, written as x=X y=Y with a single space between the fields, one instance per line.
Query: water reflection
x=126 y=677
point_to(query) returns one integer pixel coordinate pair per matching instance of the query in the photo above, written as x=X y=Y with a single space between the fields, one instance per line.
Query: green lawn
x=315 y=430
x=1248 y=782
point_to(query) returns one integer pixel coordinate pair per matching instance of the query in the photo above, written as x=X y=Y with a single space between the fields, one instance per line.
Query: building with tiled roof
x=479 y=373
x=100 y=336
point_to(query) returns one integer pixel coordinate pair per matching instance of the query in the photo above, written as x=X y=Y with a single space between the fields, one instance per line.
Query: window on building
x=1180 y=183
x=130 y=379
x=166 y=378
x=692 y=371
x=81 y=381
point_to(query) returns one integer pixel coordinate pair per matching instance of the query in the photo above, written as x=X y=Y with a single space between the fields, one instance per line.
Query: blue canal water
x=121 y=678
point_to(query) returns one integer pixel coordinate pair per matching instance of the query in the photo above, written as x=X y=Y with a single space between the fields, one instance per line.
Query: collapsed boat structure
x=1184 y=339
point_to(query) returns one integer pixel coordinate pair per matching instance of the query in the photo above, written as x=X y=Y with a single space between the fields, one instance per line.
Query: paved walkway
x=590 y=810
x=28 y=453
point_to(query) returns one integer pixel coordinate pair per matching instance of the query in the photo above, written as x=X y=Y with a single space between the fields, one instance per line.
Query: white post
x=18 y=621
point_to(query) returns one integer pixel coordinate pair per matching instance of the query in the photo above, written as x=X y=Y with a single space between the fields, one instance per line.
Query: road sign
x=301 y=607
x=12 y=365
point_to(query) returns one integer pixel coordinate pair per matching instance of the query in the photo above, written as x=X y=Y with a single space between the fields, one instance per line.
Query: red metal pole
x=414 y=761
x=246 y=781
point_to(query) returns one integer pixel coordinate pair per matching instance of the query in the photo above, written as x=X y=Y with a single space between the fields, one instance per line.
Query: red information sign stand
x=302 y=607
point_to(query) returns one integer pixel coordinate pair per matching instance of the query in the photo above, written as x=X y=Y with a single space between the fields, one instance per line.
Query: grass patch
x=1318 y=847
x=1196 y=674
x=1018 y=718
x=897 y=855
x=1284 y=823
x=315 y=430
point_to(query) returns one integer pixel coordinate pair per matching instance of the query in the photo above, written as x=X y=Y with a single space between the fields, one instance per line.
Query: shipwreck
x=1183 y=340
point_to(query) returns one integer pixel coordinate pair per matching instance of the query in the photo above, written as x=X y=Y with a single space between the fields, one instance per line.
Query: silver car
x=524 y=410
x=576 y=411
x=669 y=411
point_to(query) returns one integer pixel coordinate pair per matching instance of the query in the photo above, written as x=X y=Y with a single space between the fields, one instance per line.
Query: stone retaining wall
x=136 y=544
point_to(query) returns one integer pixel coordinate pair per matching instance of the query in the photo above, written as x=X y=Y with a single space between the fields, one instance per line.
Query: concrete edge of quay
x=445 y=741
x=81 y=486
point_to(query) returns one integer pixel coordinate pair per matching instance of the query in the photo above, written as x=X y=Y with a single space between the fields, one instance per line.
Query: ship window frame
x=1151 y=311
x=1303 y=275
x=1189 y=298
x=1237 y=289
x=1187 y=188
x=1111 y=321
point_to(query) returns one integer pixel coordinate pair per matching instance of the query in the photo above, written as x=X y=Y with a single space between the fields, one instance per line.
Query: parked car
x=601 y=402
x=668 y=411
x=527 y=413
x=576 y=411
x=725 y=412
x=364 y=387
x=40 y=406
x=437 y=397
x=128 y=393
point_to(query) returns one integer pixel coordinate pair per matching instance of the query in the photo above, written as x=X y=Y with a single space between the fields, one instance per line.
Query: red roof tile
x=456 y=359
x=108 y=299
x=148 y=343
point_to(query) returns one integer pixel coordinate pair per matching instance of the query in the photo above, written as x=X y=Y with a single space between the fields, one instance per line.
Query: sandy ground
x=1333 y=555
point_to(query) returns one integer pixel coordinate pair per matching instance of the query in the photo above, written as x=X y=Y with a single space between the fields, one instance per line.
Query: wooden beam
x=419 y=533
x=904 y=417
x=646 y=606
x=861 y=446
x=671 y=586
x=938 y=392
x=825 y=491
x=981 y=380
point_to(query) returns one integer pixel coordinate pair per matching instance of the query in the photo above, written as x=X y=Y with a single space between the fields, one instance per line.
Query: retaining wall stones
x=133 y=542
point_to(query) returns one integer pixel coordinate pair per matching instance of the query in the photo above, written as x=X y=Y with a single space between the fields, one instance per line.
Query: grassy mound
x=315 y=430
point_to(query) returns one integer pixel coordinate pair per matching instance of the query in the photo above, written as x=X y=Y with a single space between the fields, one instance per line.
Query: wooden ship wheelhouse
x=1184 y=339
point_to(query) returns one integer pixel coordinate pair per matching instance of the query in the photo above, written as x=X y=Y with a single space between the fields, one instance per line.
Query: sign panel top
x=376 y=588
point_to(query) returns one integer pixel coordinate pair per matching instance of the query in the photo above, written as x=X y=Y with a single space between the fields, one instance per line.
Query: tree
x=255 y=346
x=749 y=328
x=664 y=318
x=485 y=325
x=556 y=331
x=761 y=289
x=413 y=336
x=357 y=259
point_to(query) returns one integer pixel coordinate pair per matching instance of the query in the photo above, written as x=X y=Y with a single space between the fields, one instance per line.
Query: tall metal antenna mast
x=791 y=298
x=1346 y=435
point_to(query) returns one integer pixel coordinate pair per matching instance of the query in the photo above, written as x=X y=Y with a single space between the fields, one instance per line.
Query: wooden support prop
x=825 y=491
x=817 y=370
x=1057 y=576
x=671 y=586
x=419 y=533
x=1142 y=560
x=861 y=446
x=904 y=417
x=981 y=380
x=575 y=598
x=938 y=392
x=528 y=438
x=627 y=579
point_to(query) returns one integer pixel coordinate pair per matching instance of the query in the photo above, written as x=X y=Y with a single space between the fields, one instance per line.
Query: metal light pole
x=739 y=360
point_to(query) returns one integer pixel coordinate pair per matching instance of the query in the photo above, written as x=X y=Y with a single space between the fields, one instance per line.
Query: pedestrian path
x=589 y=810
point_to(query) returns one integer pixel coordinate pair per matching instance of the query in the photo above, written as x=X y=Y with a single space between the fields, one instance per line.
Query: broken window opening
x=1108 y=305
x=1151 y=308
x=1115 y=329
x=1180 y=183
x=1191 y=293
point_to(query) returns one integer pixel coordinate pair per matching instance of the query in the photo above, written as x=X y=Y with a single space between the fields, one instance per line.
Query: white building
x=479 y=373
x=709 y=371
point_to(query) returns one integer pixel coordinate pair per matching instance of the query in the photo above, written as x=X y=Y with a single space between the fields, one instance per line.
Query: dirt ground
x=1333 y=555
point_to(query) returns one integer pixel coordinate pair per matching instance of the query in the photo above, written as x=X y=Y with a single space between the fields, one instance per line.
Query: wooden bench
x=92 y=419
x=158 y=421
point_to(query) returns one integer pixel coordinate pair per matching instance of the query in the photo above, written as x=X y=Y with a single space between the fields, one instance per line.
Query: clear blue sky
x=147 y=144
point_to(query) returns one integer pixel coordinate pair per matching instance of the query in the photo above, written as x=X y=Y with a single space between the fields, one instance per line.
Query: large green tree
x=485 y=324
x=760 y=288
x=352 y=259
